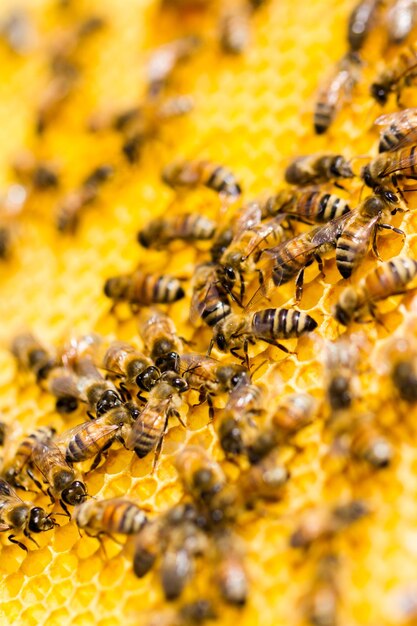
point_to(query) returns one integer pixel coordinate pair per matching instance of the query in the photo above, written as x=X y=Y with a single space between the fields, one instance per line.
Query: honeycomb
x=252 y=113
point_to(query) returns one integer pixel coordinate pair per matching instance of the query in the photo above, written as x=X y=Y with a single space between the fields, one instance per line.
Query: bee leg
x=375 y=244
x=35 y=480
x=211 y=407
x=101 y=542
x=91 y=416
x=179 y=418
x=395 y=230
x=299 y=286
x=99 y=456
x=21 y=545
x=211 y=345
x=64 y=508
x=339 y=186
x=29 y=536
x=276 y=344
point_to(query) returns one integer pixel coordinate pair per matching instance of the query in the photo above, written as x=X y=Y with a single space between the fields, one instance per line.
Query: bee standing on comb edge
x=192 y=174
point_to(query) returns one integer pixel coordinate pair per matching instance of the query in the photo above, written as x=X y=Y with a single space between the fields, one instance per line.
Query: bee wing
x=8 y=494
x=405 y=122
x=48 y=455
x=249 y=216
x=146 y=421
x=66 y=385
x=398 y=165
x=100 y=431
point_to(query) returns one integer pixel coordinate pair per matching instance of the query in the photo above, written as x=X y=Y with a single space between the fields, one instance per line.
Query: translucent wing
x=47 y=456
x=403 y=123
x=8 y=494
x=94 y=435
x=151 y=419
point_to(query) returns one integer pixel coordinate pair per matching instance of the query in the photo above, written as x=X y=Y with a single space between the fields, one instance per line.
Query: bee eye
x=390 y=197
x=230 y=273
x=221 y=341
x=238 y=379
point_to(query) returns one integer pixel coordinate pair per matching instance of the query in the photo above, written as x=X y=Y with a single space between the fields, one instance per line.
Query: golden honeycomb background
x=251 y=113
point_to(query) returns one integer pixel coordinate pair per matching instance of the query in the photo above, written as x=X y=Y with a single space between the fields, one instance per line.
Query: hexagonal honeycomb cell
x=253 y=112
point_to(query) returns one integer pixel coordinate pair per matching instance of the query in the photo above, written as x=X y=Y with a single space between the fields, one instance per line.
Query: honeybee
x=390 y=167
x=201 y=475
x=19 y=516
x=401 y=18
x=341 y=359
x=321 y=601
x=158 y=334
x=165 y=59
x=400 y=130
x=237 y=426
x=369 y=444
x=324 y=523
x=221 y=241
x=360 y=23
x=336 y=91
x=30 y=171
x=294 y=411
x=358 y=230
x=317 y=168
x=403 y=371
x=231 y=576
x=32 y=355
x=210 y=297
x=13 y=467
x=187 y=227
x=264 y=479
x=234 y=30
x=310 y=205
x=141 y=288
x=210 y=376
x=69 y=211
x=147 y=547
x=269 y=325
x=114 y=515
x=148 y=431
x=123 y=360
x=389 y=279
x=396 y=75
x=191 y=174
x=60 y=477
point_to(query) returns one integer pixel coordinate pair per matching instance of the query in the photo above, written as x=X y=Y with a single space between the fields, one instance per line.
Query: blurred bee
x=222 y=239
x=389 y=279
x=237 y=426
x=341 y=358
x=317 y=168
x=48 y=460
x=147 y=547
x=148 y=431
x=40 y=174
x=269 y=325
x=71 y=207
x=191 y=174
x=264 y=479
x=403 y=370
x=388 y=168
x=294 y=411
x=17 y=31
x=141 y=288
x=234 y=30
x=3 y=431
x=336 y=91
x=359 y=228
x=22 y=517
x=231 y=576
x=115 y=515
x=189 y=227
x=401 y=19
x=211 y=377
x=14 y=464
x=369 y=444
x=124 y=361
x=165 y=59
x=400 y=130
x=210 y=297
x=324 y=523
x=321 y=600
x=32 y=355
x=360 y=23
x=158 y=334
x=397 y=74
x=189 y=614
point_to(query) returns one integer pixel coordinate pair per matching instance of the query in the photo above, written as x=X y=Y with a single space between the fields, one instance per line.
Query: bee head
x=170 y=362
x=231 y=436
x=174 y=380
x=109 y=400
x=76 y=493
x=148 y=378
x=39 y=521
x=380 y=92
x=231 y=376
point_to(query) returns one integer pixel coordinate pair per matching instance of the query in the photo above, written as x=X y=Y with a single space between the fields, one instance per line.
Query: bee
x=369 y=444
x=40 y=174
x=149 y=429
x=264 y=479
x=69 y=211
x=12 y=468
x=237 y=426
x=19 y=516
x=3 y=431
x=401 y=18
x=147 y=547
x=294 y=412
x=164 y=60
x=336 y=91
x=390 y=167
x=141 y=288
x=210 y=298
x=269 y=325
x=187 y=227
x=234 y=30
x=360 y=23
x=341 y=359
x=201 y=476
x=359 y=228
x=396 y=75
x=317 y=168
x=312 y=206
x=389 y=279
x=32 y=355
x=403 y=371
x=123 y=360
x=231 y=576
x=60 y=477
x=400 y=130
x=115 y=515
x=158 y=334
x=189 y=614
x=18 y=32
x=323 y=523
x=191 y=174
x=321 y=601
x=222 y=240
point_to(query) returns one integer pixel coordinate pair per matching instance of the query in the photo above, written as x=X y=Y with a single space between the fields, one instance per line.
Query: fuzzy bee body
x=144 y=289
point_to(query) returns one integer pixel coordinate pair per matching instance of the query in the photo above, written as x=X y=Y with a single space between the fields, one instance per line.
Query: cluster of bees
x=133 y=391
